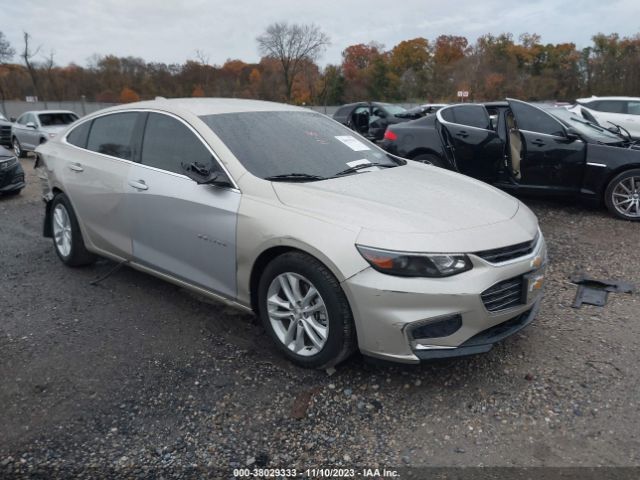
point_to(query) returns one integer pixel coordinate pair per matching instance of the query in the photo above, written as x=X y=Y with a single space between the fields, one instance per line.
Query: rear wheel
x=304 y=309
x=622 y=195
x=430 y=158
x=67 y=238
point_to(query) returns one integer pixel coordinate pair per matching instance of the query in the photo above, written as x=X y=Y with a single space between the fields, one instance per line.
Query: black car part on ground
x=595 y=292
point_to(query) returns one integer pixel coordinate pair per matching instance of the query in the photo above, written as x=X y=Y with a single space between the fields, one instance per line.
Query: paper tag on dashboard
x=352 y=142
x=355 y=163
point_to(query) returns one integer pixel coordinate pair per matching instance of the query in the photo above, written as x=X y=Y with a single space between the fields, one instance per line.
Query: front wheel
x=304 y=309
x=622 y=196
x=67 y=238
x=17 y=148
x=430 y=158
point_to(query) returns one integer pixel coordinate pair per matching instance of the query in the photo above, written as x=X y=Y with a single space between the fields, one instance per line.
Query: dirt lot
x=137 y=374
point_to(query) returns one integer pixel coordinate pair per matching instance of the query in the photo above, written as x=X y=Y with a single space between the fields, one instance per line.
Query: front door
x=473 y=146
x=180 y=228
x=550 y=158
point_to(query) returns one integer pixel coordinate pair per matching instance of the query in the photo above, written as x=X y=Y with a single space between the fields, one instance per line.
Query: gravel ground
x=138 y=377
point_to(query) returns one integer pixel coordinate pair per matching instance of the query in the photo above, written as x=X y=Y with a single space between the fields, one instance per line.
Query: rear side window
x=633 y=108
x=78 y=136
x=113 y=135
x=609 y=106
x=168 y=143
x=469 y=115
x=533 y=119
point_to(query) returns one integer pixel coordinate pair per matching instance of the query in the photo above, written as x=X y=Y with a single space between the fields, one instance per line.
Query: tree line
x=414 y=70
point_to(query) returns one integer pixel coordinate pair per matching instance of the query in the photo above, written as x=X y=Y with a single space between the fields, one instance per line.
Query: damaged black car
x=11 y=173
x=370 y=119
x=528 y=149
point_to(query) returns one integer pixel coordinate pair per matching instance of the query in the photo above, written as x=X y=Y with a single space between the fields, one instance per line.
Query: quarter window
x=168 y=144
x=633 y=108
x=78 y=136
x=113 y=135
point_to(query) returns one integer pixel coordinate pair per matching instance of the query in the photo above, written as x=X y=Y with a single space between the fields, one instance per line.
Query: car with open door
x=523 y=148
x=370 y=119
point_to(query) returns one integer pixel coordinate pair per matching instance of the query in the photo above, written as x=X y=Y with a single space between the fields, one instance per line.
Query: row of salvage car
x=520 y=147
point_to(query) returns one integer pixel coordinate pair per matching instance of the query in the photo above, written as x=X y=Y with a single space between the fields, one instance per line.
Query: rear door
x=180 y=228
x=472 y=144
x=550 y=159
x=95 y=169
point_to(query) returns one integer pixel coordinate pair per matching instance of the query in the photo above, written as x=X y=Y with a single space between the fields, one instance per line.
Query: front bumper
x=12 y=179
x=387 y=308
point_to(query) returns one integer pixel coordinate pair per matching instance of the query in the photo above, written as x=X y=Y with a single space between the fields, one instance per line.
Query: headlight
x=410 y=264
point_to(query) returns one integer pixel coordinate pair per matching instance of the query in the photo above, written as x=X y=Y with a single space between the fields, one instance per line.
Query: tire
x=430 y=158
x=623 y=192
x=329 y=308
x=17 y=148
x=67 y=238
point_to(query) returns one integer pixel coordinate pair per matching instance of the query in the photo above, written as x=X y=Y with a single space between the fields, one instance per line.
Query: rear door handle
x=138 y=184
x=462 y=134
x=76 y=167
x=539 y=143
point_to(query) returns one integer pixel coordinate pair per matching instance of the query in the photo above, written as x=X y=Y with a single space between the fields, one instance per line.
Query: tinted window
x=24 y=119
x=633 y=108
x=469 y=115
x=535 y=120
x=610 y=106
x=113 y=135
x=78 y=136
x=168 y=143
x=276 y=143
x=343 y=111
x=50 y=119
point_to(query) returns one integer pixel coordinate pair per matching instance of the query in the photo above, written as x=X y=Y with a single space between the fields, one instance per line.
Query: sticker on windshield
x=355 y=163
x=352 y=142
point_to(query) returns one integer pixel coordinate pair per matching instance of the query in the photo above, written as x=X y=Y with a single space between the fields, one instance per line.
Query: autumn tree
x=292 y=45
x=127 y=95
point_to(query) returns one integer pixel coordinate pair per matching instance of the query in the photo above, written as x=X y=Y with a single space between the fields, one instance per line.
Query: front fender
x=603 y=163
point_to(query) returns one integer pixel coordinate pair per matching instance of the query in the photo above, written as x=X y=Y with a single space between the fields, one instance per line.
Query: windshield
x=52 y=119
x=269 y=144
x=584 y=127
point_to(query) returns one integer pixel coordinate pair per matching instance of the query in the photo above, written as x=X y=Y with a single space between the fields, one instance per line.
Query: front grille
x=503 y=295
x=498 y=255
x=5 y=135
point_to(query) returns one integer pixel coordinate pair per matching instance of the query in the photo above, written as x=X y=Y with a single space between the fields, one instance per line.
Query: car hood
x=415 y=198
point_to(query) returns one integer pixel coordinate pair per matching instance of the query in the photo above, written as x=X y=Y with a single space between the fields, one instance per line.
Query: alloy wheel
x=62 y=230
x=16 y=148
x=626 y=197
x=298 y=314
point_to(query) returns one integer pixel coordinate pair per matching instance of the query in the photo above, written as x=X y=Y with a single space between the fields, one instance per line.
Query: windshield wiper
x=355 y=168
x=295 y=177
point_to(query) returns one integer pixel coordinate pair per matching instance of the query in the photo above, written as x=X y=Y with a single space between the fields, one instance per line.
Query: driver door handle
x=138 y=184
x=76 y=167
x=538 y=142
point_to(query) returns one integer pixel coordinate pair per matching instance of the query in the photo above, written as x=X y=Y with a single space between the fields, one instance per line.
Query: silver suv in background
x=36 y=127
x=610 y=111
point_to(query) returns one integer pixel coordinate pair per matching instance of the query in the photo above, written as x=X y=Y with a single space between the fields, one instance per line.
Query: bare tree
x=6 y=54
x=27 y=56
x=291 y=45
x=49 y=67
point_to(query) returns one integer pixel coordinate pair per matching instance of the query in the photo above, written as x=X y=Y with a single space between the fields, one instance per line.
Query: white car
x=334 y=243
x=622 y=111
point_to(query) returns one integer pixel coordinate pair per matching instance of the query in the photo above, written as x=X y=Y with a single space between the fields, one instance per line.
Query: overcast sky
x=172 y=30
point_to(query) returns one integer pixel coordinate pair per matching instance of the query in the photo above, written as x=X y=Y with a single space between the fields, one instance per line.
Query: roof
x=38 y=112
x=588 y=99
x=212 y=106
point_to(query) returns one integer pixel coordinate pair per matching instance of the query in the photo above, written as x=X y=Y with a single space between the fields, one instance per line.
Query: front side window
x=535 y=120
x=113 y=135
x=60 y=118
x=169 y=144
x=291 y=142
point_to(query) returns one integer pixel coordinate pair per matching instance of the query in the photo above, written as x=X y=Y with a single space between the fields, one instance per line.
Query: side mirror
x=31 y=125
x=204 y=176
x=572 y=134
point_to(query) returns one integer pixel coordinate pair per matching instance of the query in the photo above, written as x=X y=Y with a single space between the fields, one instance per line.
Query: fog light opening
x=442 y=327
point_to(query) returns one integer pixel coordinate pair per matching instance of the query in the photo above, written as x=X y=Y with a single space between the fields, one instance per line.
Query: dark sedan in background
x=525 y=148
x=370 y=119
x=11 y=173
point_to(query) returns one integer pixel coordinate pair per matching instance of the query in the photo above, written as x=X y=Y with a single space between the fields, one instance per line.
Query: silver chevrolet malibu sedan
x=335 y=244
